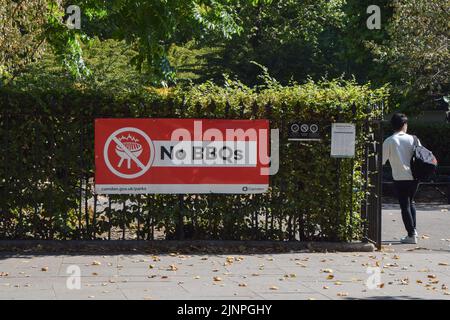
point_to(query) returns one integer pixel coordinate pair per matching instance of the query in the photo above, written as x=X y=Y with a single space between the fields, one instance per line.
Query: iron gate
x=373 y=172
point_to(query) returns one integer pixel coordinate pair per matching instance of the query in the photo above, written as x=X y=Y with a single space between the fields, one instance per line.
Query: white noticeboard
x=343 y=140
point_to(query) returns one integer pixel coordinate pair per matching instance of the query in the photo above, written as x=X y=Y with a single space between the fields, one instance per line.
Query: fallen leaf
x=96 y=263
x=404 y=281
x=434 y=281
x=394 y=265
x=217 y=279
x=242 y=284
x=45 y=269
x=273 y=288
x=327 y=270
x=342 y=294
x=416 y=248
x=325 y=287
x=172 y=267
x=330 y=277
x=443 y=264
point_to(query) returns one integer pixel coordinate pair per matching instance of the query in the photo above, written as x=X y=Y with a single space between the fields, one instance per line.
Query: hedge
x=46 y=164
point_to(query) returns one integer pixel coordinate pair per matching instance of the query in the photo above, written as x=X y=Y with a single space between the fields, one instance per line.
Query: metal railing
x=42 y=201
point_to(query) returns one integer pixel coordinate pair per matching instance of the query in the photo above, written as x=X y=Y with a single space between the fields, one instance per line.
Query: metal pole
x=380 y=184
x=365 y=206
x=124 y=213
x=338 y=194
x=94 y=218
x=80 y=207
x=138 y=218
x=180 y=218
x=109 y=218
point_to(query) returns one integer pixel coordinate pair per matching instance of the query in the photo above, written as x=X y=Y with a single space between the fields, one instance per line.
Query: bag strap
x=416 y=142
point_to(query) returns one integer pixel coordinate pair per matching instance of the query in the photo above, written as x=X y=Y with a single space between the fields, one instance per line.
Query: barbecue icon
x=133 y=150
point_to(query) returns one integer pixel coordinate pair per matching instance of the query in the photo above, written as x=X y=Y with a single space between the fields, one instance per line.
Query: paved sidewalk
x=397 y=272
x=433 y=226
x=410 y=275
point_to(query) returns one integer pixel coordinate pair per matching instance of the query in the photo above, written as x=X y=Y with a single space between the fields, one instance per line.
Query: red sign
x=145 y=156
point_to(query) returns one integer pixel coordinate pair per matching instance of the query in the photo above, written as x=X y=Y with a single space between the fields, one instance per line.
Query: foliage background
x=161 y=58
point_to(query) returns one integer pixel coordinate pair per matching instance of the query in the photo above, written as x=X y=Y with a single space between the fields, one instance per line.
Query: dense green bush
x=46 y=163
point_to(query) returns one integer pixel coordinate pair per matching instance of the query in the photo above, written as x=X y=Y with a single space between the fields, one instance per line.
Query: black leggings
x=406 y=190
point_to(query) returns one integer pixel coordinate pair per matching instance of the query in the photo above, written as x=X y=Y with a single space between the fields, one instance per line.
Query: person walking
x=398 y=150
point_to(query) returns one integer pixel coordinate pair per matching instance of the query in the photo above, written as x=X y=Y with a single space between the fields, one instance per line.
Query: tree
x=418 y=45
x=21 y=26
x=294 y=39
x=151 y=27
x=358 y=41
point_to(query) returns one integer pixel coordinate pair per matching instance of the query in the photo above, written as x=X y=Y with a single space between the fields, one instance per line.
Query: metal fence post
x=379 y=184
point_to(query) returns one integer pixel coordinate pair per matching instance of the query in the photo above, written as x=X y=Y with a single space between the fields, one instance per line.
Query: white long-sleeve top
x=398 y=150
